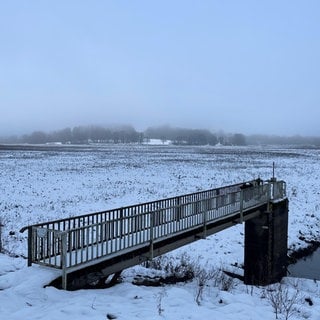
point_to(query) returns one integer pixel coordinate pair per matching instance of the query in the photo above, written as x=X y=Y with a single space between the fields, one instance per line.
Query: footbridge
x=112 y=240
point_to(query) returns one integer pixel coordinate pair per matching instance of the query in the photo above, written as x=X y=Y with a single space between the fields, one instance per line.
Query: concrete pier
x=265 y=256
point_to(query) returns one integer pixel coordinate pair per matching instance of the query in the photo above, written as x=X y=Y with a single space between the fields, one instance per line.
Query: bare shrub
x=156 y=263
x=222 y=280
x=180 y=268
x=183 y=267
x=294 y=192
x=282 y=300
x=226 y=282
x=204 y=275
x=159 y=298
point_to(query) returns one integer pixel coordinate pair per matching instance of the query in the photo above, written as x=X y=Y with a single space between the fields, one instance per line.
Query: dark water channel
x=308 y=267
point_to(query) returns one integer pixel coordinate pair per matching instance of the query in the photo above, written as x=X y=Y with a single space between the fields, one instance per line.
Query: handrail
x=220 y=190
x=69 y=243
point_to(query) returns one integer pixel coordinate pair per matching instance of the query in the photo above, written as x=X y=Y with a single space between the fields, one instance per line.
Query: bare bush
x=156 y=263
x=202 y=276
x=159 y=298
x=205 y=275
x=183 y=267
x=283 y=300
x=180 y=268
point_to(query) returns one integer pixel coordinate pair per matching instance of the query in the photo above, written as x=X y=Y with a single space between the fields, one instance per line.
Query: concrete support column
x=265 y=255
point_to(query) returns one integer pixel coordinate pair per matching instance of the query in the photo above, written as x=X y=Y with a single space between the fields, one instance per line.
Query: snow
x=157 y=142
x=37 y=186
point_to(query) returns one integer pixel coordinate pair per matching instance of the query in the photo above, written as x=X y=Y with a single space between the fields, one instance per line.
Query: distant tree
x=212 y=139
x=180 y=140
x=197 y=137
x=99 y=134
x=80 y=134
x=182 y=135
x=140 y=137
x=238 y=139
x=64 y=136
x=37 y=137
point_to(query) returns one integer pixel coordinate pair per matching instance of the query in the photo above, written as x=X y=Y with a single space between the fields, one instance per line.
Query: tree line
x=183 y=136
x=127 y=134
x=177 y=136
x=81 y=135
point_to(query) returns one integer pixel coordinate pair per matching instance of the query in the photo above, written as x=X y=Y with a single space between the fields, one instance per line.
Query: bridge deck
x=125 y=236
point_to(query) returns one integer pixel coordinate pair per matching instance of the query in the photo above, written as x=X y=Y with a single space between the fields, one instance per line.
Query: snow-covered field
x=42 y=185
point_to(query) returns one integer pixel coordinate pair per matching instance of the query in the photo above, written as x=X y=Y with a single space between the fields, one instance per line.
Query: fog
x=237 y=66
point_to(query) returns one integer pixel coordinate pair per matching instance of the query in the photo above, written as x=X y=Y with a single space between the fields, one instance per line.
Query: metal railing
x=86 y=239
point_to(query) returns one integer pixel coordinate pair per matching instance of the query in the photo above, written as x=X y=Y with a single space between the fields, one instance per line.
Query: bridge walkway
x=119 y=238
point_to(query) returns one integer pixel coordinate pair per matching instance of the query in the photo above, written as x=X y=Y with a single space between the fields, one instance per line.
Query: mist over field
x=163 y=134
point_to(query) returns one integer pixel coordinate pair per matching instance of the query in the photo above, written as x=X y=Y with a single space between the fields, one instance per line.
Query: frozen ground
x=48 y=184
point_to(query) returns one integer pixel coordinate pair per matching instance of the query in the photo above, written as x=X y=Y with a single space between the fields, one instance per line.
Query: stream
x=308 y=267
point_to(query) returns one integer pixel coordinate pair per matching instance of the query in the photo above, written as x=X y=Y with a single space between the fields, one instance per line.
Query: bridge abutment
x=266 y=235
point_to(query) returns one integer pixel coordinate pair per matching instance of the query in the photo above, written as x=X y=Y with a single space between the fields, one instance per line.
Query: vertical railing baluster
x=55 y=240
x=97 y=239
x=75 y=240
x=64 y=260
x=86 y=239
x=205 y=218
x=91 y=239
x=30 y=246
x=121 y=228
x=49 y=233
x=151 y=235
x=241 y=206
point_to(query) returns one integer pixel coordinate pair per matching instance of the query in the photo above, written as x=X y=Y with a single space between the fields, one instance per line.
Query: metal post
x=270 y=191
x=30 y=246
x=241 y=206
x=151 y=234
x=205 y=210
x=64 y=259
x=178 y=209
x=121 y=224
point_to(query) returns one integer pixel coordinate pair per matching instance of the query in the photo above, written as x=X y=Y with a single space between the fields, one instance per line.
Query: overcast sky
x=238 y=66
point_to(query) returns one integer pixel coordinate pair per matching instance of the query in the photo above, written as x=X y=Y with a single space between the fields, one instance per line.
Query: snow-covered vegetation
x=51 y=183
